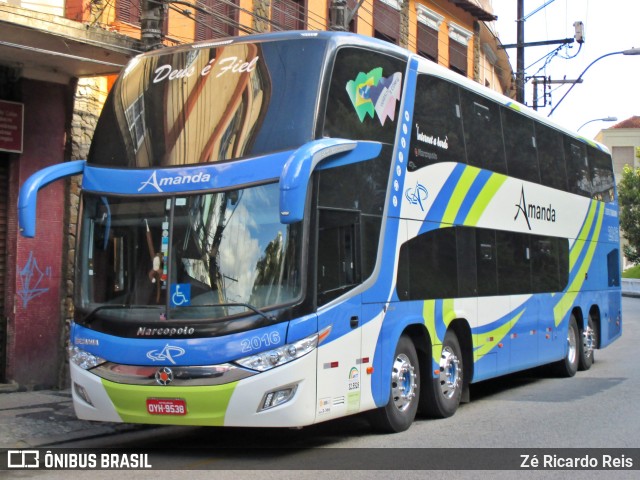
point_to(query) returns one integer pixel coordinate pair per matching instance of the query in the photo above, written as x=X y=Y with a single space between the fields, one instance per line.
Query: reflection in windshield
x=201 y=104
x=190 y=253
x=232 y=248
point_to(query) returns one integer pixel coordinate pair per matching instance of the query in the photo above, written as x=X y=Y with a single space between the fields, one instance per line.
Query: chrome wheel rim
x=572 y=343
x=588 y=341
x=403 y=382
x=450 y=374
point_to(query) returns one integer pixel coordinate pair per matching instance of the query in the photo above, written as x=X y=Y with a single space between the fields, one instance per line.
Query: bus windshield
x=193 y=257
x=204 y=104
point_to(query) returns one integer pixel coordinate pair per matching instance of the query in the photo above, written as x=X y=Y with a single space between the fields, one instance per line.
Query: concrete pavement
x=46 y=418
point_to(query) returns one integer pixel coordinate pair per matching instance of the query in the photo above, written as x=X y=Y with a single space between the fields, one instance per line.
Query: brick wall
x=35 y=265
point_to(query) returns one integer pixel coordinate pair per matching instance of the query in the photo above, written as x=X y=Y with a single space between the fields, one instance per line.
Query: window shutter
x=386 y=22
x=288 y=14
x=458 y=57
x=428 y=42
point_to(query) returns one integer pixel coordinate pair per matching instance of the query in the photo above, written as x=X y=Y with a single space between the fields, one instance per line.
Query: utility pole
x=520 y=53
x=151 y=20
x=545 y=82
x=521 y=45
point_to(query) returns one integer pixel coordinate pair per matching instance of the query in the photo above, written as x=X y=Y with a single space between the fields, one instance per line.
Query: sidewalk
x=46 y=418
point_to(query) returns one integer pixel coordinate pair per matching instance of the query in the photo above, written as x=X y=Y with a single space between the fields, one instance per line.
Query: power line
x=298 y=13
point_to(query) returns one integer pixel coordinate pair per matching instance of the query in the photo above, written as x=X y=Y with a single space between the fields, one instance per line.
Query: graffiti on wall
x=33 y=280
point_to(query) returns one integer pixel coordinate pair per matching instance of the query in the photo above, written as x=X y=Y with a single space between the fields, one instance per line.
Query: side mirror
x=28 y=198
x=297 y=171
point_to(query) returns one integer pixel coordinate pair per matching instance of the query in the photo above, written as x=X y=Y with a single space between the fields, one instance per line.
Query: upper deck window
x=364 y=96
x=210 y=104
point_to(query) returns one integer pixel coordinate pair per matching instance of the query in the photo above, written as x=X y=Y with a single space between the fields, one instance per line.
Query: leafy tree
x=629 y=200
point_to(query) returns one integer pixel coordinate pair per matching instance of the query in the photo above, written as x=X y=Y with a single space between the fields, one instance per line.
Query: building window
x=428 y=27
x=386 y=20
x=219 y=20
x=458 y=46
x=128 y=11
x=288 y=15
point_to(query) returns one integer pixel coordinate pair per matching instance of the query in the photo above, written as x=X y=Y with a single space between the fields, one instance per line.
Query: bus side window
x=613 y=268
x=563 y=263
x=514 y=265
x=437 y=128
x=467 y=264
x=486 y=261
x=350 y=204
x=553 y=171
x=545 y=264
x=463 y=262
x=483 y=132
x=579 y=178
x=520 y=145
x=602 y=180
x=428 y=266
x=338 y=253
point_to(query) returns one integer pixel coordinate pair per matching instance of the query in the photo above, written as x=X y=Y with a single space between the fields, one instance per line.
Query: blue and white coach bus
x=283 y=229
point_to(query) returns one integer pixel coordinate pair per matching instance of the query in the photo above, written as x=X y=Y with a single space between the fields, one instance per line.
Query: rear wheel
x=588 y=345
x=568 y=366
x=400 y=411
x=441 y=395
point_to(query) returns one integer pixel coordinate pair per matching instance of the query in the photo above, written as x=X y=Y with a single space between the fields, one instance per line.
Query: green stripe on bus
x=206 y=405
x=430 y=320
x=484 y=342
x=580 y=275
x=486 y=195
x=566 y=301
x=514 y=106
x=459 y=194
x=582 y=238
x=429 y=315
x=563 y=306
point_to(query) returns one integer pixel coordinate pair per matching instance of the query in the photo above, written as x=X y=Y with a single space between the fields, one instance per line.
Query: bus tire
x=568 y=366
x=441 y=395
x=588 y=345
x=400 y=411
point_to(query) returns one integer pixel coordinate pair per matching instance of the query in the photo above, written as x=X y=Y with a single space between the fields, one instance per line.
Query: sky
x=611 y=86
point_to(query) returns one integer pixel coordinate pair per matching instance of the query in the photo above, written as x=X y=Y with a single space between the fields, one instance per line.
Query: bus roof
x=337 y=39
x=429 y=67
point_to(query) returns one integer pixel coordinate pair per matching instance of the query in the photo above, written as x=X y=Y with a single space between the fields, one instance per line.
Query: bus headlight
x=279 y=356
x=83 y=359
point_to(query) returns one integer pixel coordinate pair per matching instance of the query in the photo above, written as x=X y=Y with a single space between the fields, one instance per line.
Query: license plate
x=166 y=406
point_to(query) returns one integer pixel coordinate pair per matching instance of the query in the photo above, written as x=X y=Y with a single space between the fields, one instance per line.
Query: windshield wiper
x=87 y=319
x=248 y=306
x=92 y=313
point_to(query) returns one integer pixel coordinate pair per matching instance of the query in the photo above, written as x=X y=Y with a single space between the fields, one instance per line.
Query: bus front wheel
x=400 y=411
x=442 y=394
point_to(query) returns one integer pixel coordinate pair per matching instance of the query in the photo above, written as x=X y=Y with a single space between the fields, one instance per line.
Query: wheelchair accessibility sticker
x=180 y=294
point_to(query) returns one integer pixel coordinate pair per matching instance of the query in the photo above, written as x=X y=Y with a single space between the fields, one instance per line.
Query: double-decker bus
x=282 y=229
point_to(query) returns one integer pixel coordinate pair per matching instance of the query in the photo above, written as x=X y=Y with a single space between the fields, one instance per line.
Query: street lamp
x=631 y=51
x=605 y=119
